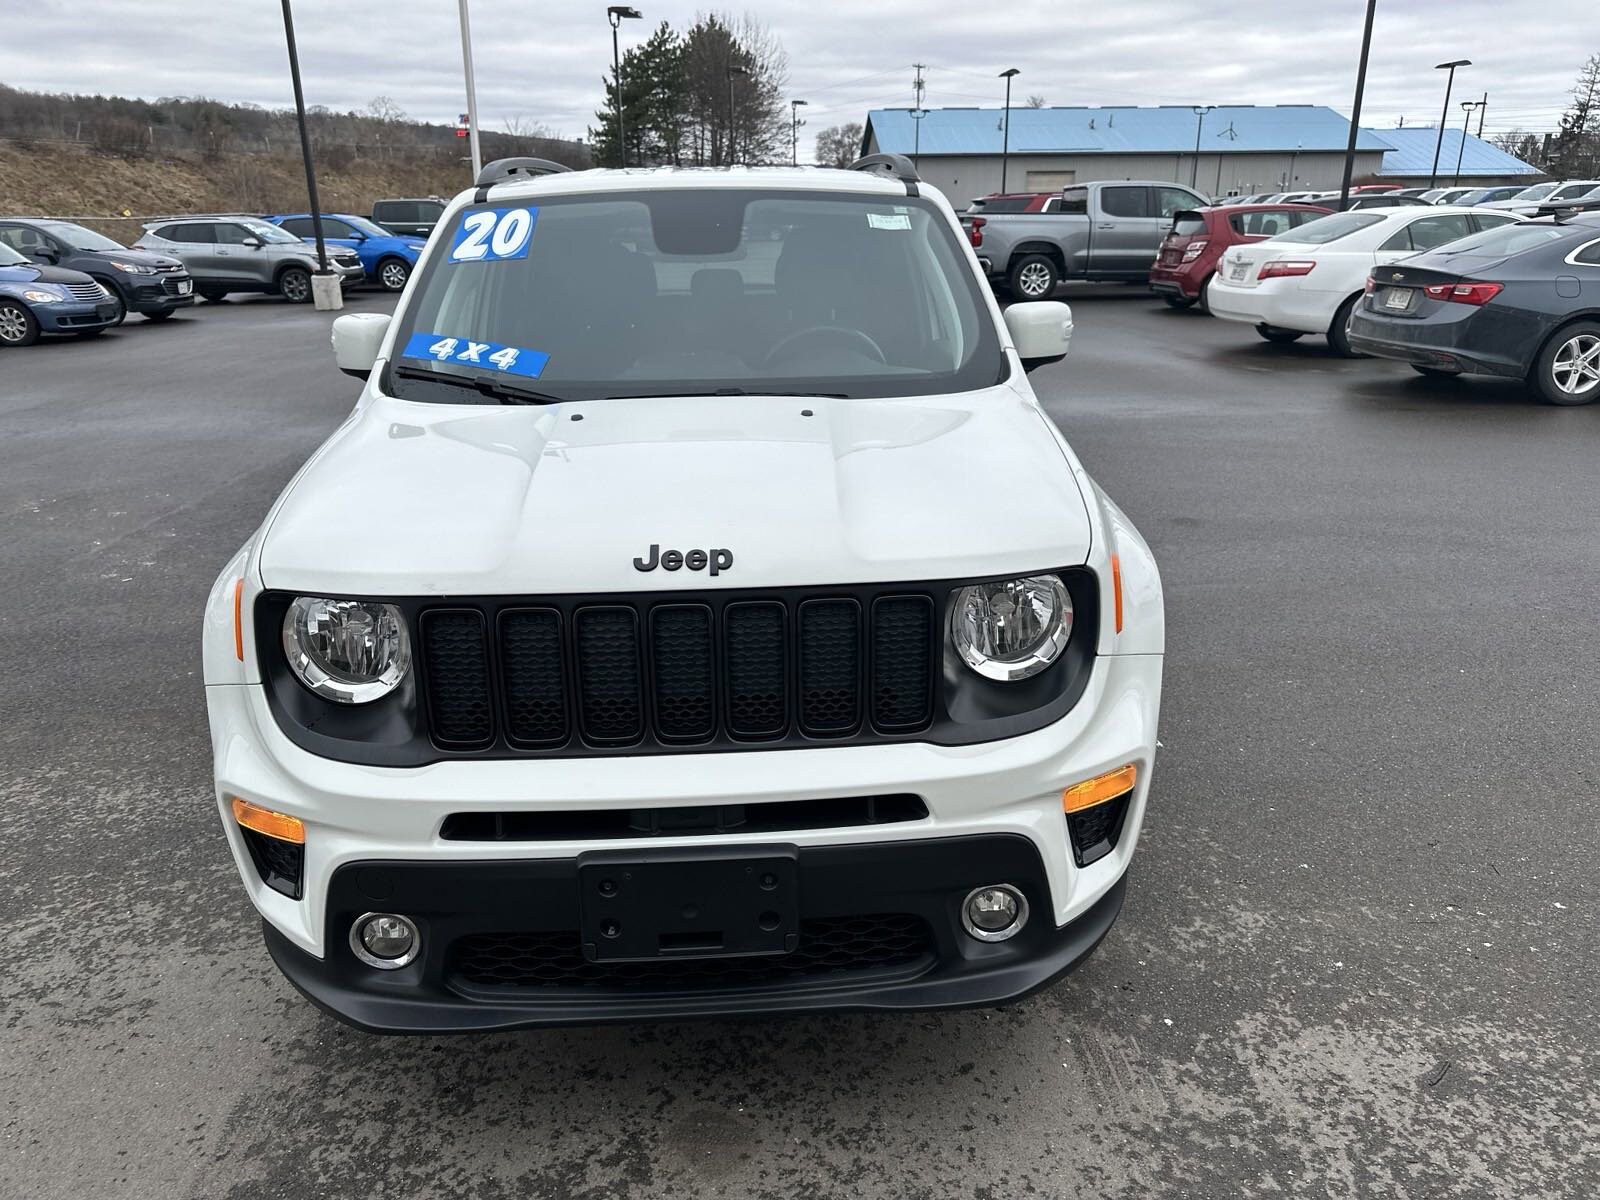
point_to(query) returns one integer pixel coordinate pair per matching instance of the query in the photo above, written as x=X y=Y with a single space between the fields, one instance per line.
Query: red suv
x=1188 y=256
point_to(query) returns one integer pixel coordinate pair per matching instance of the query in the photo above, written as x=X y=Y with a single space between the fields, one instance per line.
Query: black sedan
x=1520 y=301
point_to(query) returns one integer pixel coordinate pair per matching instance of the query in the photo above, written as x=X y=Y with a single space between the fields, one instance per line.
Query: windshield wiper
x=727 y=391
x=506 y=393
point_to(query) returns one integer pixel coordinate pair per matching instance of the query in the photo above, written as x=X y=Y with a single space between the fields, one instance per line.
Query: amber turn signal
x=270 y=824
x=238 y=619
x=1116 y=589
x=1099 y=789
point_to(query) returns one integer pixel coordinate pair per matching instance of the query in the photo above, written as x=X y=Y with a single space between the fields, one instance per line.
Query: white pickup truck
x=1110 y=230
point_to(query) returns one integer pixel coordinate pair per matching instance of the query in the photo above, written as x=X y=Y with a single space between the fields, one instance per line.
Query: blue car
x=35 y=300
x=387 y=259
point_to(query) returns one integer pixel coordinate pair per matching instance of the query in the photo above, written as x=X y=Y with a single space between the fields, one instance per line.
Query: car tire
x=18 y=326
x=1339 y=330
x=1435 y=372
x=212 y=294
x=116 y=298
x=393 y=273
x=162 y=315
x=1032 y=277
x=1279 y=337
x=294 y=285
x=1178 y=301
x=1203 y=300
x=1567 y=370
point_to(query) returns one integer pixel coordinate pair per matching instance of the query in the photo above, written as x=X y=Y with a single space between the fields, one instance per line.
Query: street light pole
x=733 y=70
x=1005 y=143
x=472 y=91
x=616 y=14
x=1466 y=126
x=1438 y=145
x=1355 y=108
x=794 y=131
x=1199 y=124
x=320 y=285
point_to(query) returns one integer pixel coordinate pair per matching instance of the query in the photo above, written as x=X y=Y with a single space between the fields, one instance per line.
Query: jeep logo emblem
x=696 y=560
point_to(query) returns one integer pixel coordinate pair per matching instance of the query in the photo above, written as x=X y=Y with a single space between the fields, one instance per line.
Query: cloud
x=545 y=62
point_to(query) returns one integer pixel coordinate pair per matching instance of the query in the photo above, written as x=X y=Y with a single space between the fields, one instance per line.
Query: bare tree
x=1034 y=102
x=839 y=145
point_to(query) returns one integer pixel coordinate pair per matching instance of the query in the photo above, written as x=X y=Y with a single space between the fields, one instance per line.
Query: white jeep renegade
x=697 y=615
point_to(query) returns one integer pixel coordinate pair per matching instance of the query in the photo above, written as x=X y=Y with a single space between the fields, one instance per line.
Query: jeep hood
x=427 y=499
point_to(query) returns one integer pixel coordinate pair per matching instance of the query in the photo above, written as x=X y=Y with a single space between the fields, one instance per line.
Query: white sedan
x=1307 y=280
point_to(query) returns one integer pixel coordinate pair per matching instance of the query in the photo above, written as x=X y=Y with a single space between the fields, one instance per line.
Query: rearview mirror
x=1041 y=331
x=357 y=338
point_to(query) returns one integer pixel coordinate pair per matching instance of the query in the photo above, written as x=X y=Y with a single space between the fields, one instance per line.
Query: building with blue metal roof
x=1410 y=158
x=1242 y=148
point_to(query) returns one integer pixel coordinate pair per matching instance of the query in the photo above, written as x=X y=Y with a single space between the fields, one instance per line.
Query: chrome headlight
x=348 y=651
x=1012 y=629
x=39 y=297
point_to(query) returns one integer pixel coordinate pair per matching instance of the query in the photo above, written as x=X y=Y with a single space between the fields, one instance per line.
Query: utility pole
x=325 y=290
x=1199 y=124
x=472 y=92
x=1444 y=117
x=1005 y=144
x=794 y=131
x=1355 y=108
x=1483 y=109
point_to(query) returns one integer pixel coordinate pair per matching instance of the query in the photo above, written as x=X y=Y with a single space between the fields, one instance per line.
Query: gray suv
x=245 y=254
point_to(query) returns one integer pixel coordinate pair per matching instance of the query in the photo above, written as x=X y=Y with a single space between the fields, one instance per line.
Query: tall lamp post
x=1200 y=112
x=794 y=131
x=472 y=92
x=1008 y=75
x=1467 y=106
x=1355 y=108
x=734 y=70
x=1450 y=80
x=325 y=290
x=616 y=14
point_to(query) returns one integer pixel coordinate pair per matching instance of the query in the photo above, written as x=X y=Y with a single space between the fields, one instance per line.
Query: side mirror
x=253 y=242
x=47 y=254
x=357 y=338
x=1041 y=331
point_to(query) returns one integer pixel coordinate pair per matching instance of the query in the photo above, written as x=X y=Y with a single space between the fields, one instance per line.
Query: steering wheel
x=856 y=339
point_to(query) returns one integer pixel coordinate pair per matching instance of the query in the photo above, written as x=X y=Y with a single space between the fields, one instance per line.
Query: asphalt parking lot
x=1359 y=951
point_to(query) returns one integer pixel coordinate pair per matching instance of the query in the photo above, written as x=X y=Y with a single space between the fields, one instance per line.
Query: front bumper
x=880 y=927
x=74 y=318
x=160 y=293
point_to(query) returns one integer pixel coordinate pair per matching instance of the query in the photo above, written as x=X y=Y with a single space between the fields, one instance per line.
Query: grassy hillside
x=82 y=183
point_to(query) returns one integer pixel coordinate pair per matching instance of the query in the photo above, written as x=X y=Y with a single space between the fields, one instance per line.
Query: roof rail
x=502 y=169
x=897 y=165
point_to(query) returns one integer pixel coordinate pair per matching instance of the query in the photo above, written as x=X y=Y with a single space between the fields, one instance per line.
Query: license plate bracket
x=690 y=903
x=1397 y=299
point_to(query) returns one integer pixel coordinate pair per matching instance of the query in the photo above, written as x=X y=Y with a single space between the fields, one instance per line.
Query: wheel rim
x=13 y=325
x=393 y=276
x=296 y=285
x=1576 y=366
x=1034 y=279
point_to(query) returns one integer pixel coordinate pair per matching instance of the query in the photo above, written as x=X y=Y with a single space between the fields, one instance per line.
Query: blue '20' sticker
x=493 y=235
x=489 y=356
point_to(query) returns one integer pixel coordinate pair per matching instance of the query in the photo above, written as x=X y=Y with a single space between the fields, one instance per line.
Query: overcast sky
x=543 y=61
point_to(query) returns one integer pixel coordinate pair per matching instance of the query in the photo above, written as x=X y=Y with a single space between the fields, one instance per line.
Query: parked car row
x=59 y=277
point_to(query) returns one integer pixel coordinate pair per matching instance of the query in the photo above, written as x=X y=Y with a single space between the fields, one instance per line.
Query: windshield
x=700 y=292
x=80 y=238
x=10 y=258
x=367 y=227
x=268 y=232
x=1537 y=192
x=1329 y=228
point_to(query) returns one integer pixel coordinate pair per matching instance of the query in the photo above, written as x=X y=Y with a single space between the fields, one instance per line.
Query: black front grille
x=671 y=671
x=173 y=287
x=776 y=816
x=828 y=947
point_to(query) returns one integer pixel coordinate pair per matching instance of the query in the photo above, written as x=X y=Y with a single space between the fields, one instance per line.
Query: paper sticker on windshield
x=494 y=234
x=487 y=356
x=888 y=221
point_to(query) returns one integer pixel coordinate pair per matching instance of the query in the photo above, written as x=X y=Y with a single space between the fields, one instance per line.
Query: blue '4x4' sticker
x=493 y=235
x=464 y=352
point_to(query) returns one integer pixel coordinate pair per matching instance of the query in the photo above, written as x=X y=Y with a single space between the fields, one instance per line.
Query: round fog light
x=384 y=940
x=994 y=913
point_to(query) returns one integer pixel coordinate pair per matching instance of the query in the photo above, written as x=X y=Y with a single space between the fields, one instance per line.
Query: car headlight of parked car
x=38 y=297
x=1012 y=629
x=133 y=268
x=348 y=651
